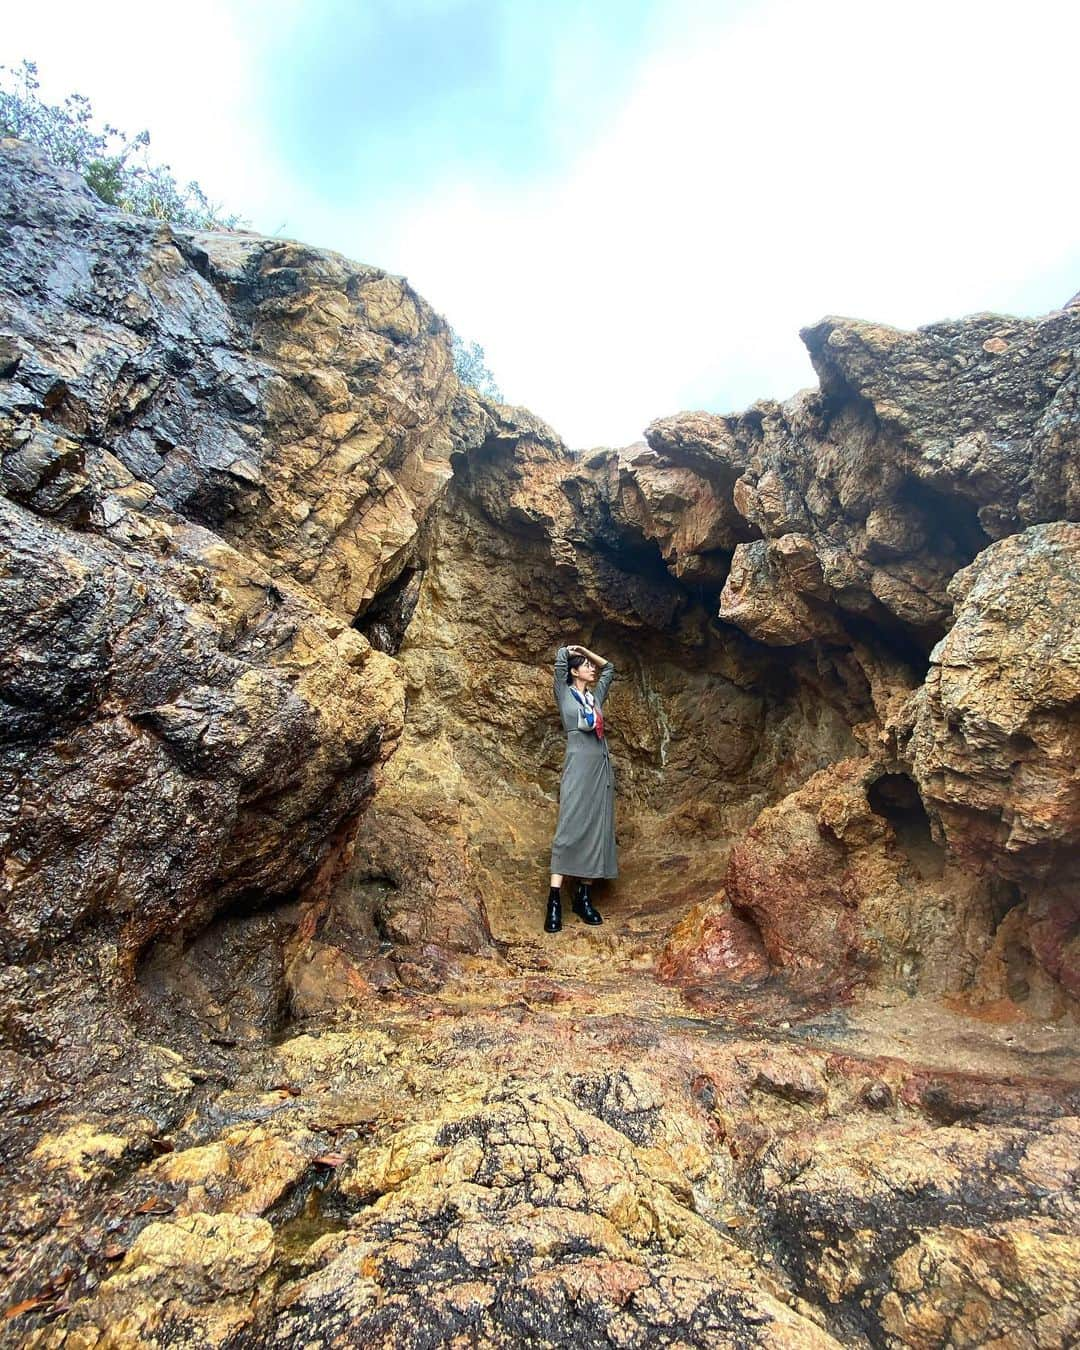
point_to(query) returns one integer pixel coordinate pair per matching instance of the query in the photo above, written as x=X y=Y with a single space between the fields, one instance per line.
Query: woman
x=584 y=845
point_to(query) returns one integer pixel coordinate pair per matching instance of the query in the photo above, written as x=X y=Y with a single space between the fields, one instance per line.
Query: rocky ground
x=556 y=1149
x=285 y=1058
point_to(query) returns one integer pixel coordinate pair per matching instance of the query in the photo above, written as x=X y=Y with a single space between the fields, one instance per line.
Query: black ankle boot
x=553 y=922
x=583 y=907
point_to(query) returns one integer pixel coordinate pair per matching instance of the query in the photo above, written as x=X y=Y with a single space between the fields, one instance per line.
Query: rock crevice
x=285 y=1055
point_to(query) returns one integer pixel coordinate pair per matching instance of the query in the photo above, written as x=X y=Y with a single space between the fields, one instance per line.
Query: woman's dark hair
x=572 y=664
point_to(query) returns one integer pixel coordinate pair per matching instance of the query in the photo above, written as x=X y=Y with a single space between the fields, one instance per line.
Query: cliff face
x=280 y=773
x=216 y=451
x=872 y=788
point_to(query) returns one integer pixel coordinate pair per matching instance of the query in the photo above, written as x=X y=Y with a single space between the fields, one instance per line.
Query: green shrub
x=114 y=166
x=471 y=368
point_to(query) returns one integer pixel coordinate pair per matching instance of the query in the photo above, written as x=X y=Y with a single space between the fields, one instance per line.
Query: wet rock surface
x=995 y=726
x=287 y=1060
x=525 y=1155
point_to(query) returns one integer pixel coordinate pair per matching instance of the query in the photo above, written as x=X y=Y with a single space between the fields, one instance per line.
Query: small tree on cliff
x=470 y=366
x=114 y=166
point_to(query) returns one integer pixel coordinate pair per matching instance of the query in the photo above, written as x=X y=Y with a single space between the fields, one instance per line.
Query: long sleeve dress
x=584 y=844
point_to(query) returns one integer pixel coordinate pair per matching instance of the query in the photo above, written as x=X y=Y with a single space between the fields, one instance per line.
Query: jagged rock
x=247 y=1171
x=712 y=940
x=203 y=1269
x=678 y=491
x=293 y=402
x=203 y=438
x=600 y=1238
x=190 y=425
x=844 y=883
x=993 y=735
x=494 y=1176
x=773 y=592
x=231 y=816
x=828 y=474
x=898 y=1268
x=918 y=450
x=179 y=730
x=1018 y=1283
x=228 y=983
x=987 y=404
x=702 y=735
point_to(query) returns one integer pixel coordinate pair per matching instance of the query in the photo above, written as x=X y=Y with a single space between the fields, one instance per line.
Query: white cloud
x=188 y=74
x=902 y=163
x=897 y=163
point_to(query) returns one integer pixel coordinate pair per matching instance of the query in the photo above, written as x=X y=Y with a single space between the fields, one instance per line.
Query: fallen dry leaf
x=27 y=1305
x=154 y=1204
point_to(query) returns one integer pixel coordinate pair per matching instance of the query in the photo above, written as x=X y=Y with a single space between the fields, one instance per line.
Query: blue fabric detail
x=590 y=713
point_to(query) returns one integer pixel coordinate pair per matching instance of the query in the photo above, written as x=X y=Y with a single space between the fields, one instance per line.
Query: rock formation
x=286 y=1060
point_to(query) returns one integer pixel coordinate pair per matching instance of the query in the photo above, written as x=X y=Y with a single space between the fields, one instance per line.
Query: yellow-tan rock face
x=213 y=460
x=287 y=1059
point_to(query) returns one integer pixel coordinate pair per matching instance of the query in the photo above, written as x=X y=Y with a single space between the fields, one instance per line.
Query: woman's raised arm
x=603 y=683
x=562 y=663
x=597 y=661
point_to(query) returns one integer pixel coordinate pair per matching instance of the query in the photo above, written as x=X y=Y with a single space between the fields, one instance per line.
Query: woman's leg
x=583 y=905
x=553 y=918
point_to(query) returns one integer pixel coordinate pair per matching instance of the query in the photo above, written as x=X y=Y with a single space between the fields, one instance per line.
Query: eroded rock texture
x=215 y=452
x=191 y=427
x=877 y=499
x=917 y=450
x=496 y=1172
x=286 y=1059
x=708 y=728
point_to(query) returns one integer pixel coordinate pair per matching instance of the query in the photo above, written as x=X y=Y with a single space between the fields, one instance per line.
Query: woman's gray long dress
x=584 y=843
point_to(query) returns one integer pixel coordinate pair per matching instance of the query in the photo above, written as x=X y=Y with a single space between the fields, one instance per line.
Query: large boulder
x=993 y=736
x=995 y=730
x=216 y=450
x=177 y=730
x=292 y=401
x=845 y=884
x=217 y=453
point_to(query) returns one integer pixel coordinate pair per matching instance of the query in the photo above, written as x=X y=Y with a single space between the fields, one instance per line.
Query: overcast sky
x=635 y=205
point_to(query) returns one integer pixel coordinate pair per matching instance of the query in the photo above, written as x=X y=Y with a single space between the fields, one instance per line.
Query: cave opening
x=911 y=647
x=634 y=554
x=1004 y=897
x=895 y=797
x=385 y=621
x=950 y=519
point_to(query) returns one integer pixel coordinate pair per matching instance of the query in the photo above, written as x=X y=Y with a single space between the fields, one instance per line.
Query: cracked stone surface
x=285 y=1059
